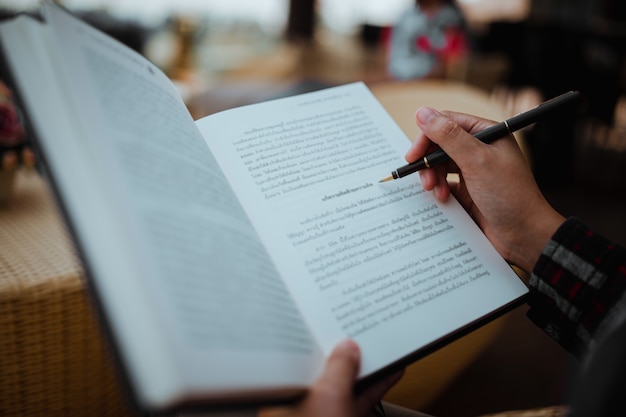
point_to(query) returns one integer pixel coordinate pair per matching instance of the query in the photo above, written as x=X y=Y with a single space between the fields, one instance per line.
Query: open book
x=229 y=255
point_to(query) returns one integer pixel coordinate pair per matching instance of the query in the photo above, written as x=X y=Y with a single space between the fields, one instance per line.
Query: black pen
x=492 y=133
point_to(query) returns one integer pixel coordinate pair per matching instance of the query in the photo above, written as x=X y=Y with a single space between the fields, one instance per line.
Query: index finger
x=452 y=132
x=422 y=144
x=470 y=123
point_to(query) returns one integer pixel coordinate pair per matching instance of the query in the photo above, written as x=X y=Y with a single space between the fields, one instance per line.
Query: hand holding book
x=333 y=395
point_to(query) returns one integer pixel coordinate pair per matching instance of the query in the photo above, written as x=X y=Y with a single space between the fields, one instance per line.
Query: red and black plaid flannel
x=578 y=286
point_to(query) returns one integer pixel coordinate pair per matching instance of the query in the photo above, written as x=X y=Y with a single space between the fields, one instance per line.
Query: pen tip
x=389 y=178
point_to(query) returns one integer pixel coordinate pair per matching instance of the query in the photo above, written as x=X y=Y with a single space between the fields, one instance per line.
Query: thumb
x=333 y=393
x=342 y=368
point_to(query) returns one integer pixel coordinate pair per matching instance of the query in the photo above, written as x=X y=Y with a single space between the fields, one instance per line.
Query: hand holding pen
x=497 y=187
x=492 y=133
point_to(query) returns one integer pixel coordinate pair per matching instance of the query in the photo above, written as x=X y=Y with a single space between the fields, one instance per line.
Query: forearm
x=578 y=285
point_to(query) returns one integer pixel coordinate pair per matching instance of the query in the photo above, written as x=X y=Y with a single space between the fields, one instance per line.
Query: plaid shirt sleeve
x=577 y=286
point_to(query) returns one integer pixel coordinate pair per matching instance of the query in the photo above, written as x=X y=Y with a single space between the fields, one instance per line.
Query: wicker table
x=52 y=359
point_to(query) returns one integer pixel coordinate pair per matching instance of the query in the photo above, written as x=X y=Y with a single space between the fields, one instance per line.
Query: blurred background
x=519 y=51
x=222 y=54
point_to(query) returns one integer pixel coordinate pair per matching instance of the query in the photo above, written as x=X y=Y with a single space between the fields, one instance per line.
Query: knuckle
x=450 y=129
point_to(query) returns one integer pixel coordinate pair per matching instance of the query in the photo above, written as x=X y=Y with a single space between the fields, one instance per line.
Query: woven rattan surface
x=52 y=359
x=555 y=411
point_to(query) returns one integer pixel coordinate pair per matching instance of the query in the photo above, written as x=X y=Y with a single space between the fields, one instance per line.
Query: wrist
x=535 y=237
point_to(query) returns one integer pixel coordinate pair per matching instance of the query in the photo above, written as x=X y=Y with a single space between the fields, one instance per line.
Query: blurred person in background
x=426 y=40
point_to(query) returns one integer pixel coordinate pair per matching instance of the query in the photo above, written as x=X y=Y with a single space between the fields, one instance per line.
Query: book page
x=193 y=298
x=383 y=263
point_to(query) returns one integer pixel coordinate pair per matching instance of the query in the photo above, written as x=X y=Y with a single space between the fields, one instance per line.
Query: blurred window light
x=268 y=14
x=19 y=4
x=342 y=16
x=346 y=16
x=487 y=11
